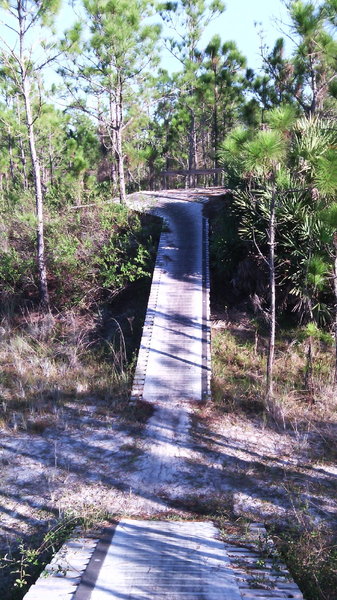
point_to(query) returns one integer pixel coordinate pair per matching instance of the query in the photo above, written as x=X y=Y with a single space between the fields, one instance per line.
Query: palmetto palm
x=261 y=158
x=264 y=155
x=289 y=175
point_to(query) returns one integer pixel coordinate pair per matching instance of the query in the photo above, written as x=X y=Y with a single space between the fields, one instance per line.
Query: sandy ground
x=100 y=462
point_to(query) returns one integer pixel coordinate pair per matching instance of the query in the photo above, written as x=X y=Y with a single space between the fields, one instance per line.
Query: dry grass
x=46 y=361
x=310 y=550
x=20 y=567
x=239 y=364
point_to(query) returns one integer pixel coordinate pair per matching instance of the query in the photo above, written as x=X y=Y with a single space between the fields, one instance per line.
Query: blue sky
x=238 y=23
x=242 y=21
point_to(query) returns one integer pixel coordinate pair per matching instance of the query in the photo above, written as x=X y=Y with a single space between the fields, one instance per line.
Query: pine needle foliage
x=326 y=173
x=282 y=118
x=264 y=151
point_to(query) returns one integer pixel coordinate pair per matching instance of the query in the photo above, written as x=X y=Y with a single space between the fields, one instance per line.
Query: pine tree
x=222 y=84
x=188 y=20
x=309 y=75
x=22 y=64
x=115 y=66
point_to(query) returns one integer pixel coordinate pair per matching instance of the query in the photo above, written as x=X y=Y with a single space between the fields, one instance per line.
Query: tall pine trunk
x=119 y=140
x=192 y=150
x=25 y=88
x=24 y=164
x=308 y=372
x=216 y=130
x=120 y=166
x=41 y=264
x=10 y=153
x=22 y=150
x=272 y=285
x=112 y=139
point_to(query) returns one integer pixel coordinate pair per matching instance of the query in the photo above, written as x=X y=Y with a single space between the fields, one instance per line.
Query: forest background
x=89 y=115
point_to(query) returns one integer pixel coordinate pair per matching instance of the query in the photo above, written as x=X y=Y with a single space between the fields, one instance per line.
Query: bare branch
x=11 y=28
x=259 y=250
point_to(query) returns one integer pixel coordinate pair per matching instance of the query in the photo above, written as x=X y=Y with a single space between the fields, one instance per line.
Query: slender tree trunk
x=314 y=100
x=119 y=141
x=44 y=296
x=204 y=146
x=51 y=162
x=216 y=128
x=192 y=149
x=111 y=131
x=216 y=139
x=24 y=164
x=308 y=379
x=120 y=166
x=335 y=292
x=25 y=89
x=271 y=349
x=22 y=151
x=10 y=152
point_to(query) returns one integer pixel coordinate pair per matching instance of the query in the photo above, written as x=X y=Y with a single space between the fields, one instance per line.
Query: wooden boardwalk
x=174 y=357
x=165 y=560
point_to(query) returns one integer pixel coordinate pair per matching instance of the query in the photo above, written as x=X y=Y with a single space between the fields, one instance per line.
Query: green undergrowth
x=239 y=355
x=56 y=368
x=99 y=262
x=21 y=565
x=92 y=254
x=304 y=406
x=310 y=552
x=239 y=351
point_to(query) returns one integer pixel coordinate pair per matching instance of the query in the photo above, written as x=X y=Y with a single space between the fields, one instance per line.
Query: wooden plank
x=168 y=561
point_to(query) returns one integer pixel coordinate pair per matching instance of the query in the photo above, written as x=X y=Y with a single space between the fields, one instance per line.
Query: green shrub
x=310 y=552
x=91 y=254
x=122 y=261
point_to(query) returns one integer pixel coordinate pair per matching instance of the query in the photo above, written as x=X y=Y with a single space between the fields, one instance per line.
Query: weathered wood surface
x=150 y=560
x=173 y=363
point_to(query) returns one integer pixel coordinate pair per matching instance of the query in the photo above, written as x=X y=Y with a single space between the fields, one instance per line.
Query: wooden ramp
x=174 y=356
x=150 y=560
x=169 y=560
